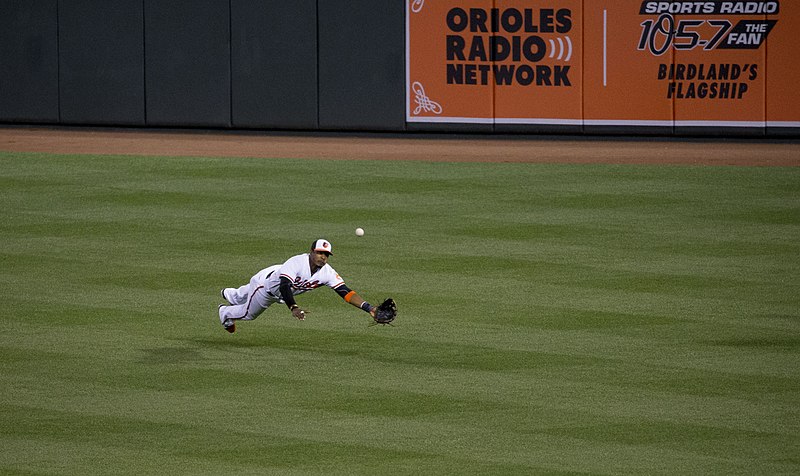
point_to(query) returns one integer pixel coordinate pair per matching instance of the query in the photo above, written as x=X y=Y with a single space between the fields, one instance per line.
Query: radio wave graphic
x=562 y=50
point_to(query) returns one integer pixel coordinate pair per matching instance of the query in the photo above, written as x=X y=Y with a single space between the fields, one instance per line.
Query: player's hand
x=299 y=314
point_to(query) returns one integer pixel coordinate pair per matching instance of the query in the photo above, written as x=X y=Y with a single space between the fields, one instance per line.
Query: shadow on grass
x=394 y=350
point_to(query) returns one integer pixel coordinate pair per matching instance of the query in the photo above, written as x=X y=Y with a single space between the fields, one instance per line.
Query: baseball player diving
x=282 y=282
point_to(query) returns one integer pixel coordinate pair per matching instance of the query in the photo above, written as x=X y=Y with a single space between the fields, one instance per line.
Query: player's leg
x=248 y=301
x=248 y=310
x=257 y=302
x=240 y=295
x=236 y=295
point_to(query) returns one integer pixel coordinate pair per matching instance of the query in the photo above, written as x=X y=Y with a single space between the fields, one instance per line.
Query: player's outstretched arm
x=384 y=314
x=355 y=300
x=360 y=303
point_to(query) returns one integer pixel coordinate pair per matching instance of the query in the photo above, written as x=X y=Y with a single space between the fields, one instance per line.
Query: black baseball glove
x=386 y=312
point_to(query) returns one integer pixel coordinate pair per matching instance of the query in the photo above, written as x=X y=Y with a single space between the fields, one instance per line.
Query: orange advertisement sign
x=687 y=63
x=493 y=61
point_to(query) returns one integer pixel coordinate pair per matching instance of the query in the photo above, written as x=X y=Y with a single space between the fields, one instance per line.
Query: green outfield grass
x=554 y=319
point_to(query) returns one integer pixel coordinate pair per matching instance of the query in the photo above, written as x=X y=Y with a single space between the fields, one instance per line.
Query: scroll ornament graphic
x=424 y=103
x=416 y=5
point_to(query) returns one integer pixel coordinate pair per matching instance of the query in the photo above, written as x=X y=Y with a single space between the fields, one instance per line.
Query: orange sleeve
x=349 y=296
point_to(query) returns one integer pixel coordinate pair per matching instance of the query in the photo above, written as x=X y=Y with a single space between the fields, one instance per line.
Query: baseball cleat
x=228 y=324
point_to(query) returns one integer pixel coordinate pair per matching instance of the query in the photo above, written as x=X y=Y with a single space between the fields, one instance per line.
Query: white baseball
x=359 y=232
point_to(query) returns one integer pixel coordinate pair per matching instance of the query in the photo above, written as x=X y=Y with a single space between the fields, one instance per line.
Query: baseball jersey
x=298 y=270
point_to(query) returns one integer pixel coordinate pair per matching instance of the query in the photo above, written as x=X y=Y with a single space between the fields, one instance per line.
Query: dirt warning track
x=399 y=147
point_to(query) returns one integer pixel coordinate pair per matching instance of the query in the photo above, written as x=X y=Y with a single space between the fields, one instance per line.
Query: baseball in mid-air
x=359 y=232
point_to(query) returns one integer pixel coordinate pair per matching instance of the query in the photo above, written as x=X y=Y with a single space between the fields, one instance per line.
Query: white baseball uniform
x=250 y=300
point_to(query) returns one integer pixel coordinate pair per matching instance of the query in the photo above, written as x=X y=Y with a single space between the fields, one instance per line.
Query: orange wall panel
x=441 y=85
x=783 y=67
x=542 y=72
x=718 y=78
x=621 y=85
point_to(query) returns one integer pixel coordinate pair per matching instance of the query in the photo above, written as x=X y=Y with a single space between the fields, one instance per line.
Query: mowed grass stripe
x=554 y=318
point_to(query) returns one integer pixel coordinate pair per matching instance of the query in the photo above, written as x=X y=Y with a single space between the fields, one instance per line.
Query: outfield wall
x=574 y=66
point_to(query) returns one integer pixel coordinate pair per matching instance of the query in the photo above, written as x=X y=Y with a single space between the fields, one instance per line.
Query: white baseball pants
x=250 y=300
